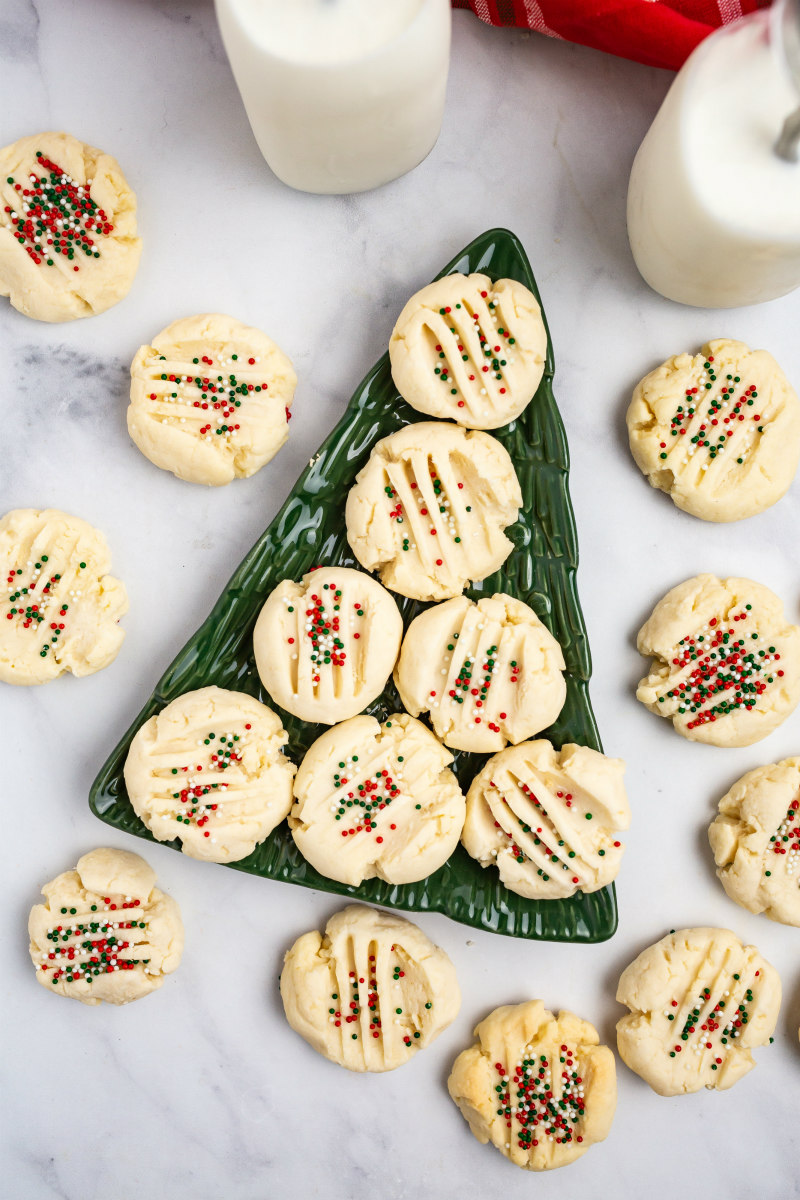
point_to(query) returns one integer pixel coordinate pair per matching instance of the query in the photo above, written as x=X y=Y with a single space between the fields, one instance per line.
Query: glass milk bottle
x=714 y=194
x=342 y=95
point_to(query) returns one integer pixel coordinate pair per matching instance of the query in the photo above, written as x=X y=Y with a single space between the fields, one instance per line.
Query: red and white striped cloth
x=661 y=33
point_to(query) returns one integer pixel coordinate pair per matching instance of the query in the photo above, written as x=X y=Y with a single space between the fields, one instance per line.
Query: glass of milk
x=342 y=95
x=713 y=209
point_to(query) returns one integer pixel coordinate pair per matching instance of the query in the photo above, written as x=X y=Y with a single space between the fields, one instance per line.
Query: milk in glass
x=342 y=95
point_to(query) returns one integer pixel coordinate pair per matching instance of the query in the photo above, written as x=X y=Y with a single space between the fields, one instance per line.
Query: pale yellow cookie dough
x=59 y=607
x=377 y=800
x=548 y=819
x=699 y=1001
x=210 y=399
x=538 y=1087
x=67 y=253
x=469 y=349
x=718 y=432
x=428 y=510
x=106 y=932
x=488 y=673
x=756 y=841
x=369 y=992
x=726 y=662
x=208 y=769
x=325 y=647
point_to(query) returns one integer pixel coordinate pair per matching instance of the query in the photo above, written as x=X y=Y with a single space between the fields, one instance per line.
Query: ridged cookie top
x=547 y=819
x=210 y=399
x=699 y=1001
x=429 y=509
x=726 y=666
x=469 y=349
x=326 y=646
x=756 y=841
x=488 y=673
x=208 y=769
x=719 y=431
x=105 y=932
x=377 y=800
x=59 y=607
x=538 y=1087
x=369 y=992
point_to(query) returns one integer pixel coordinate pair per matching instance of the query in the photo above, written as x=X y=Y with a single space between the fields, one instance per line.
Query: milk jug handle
x=787 y=17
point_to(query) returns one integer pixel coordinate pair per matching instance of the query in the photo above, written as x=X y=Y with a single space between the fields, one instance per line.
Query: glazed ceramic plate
x=309 y=531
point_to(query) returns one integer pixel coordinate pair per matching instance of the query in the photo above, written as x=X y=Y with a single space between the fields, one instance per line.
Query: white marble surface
x=202 y=1091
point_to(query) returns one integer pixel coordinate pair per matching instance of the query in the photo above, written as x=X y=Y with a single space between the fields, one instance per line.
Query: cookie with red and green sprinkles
x=105 y=931
x=68 y=244
x=326 y=645
x=699 y=1002
x=726 y=661
x=59 y=606
x=209 y=770
x=755 y=840
x=210 y=399
x=377 y=801
x=429 y=509
x=487 y=672
x=369 y=992
x=718 y=431
x=539 y=1087
x=548 y=820
x=469 y=349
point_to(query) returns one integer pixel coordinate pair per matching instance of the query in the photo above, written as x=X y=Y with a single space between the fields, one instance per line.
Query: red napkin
x=660 y=33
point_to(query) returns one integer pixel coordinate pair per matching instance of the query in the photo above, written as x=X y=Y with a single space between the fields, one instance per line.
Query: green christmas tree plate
x=309 y=530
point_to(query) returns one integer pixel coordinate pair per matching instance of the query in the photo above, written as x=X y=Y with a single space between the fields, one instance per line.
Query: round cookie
x=488 y=673
x=718 y=432
x=538 y=1087
x=428 y=510
x=469 y=349
x=377 y=801
x=210 y=399
x=548 y=819
x=325 y=647
x=756 y=841
x=105 y=932
x=369 y=992
x=699 y=1002
x=68 y=244
x=726 y=662
x=59 y=607
x=208 y=769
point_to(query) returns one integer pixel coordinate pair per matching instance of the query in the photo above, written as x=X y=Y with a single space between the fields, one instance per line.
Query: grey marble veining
x=202 y=1091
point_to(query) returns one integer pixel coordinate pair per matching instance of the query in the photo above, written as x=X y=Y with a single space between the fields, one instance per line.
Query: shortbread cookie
x=469 y=349
x=106 y=932
x=718 y=432
x=538 y=1087
x=377 y=800
x=428 y=510
x=68 y=244
x=325 y=647
x=210 y=399
x=756 y=841
x=488 y=673
x=548 y=819
x=726 y=662
x=699 y=1002
x=208 y=769
x=59 y=607
x=369 y=992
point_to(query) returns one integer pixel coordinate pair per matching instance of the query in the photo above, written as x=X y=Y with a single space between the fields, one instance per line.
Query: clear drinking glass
x=342 y=95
